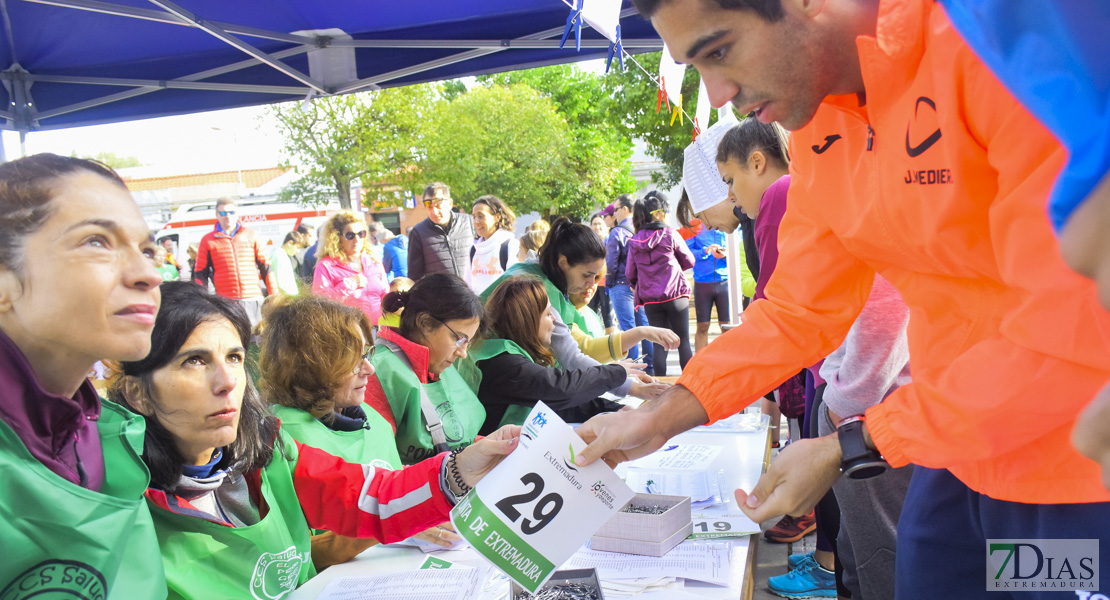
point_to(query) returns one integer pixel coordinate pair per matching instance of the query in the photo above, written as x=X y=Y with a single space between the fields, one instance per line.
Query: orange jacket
x=946 y=200
x=234 y=264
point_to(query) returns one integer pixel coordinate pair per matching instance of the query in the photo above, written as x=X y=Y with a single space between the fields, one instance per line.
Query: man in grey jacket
x=440 y=243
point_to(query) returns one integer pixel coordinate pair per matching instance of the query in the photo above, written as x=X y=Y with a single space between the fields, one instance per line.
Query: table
x=742 y=459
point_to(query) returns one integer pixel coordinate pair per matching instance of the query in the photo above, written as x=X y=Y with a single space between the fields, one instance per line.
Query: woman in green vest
x=416 y=384
x=569 y=262
x=233 y=496
x=77 y=285
x=519 y=369
x=314 y=373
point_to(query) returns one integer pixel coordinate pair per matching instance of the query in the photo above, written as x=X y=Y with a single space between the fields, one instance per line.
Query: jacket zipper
x=870 y=137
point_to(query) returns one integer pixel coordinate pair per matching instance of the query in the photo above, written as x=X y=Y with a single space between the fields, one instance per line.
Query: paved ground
x=770 y=558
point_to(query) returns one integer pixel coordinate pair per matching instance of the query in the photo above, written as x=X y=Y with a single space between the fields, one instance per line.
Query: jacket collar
x=418 y=355
x=889 y=59
x=220 y=230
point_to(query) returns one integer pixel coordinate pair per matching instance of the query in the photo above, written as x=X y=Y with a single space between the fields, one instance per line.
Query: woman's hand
x=648 y=391
x=483 y=455
x=632 y=369
x=656 y=335
x=441 y=535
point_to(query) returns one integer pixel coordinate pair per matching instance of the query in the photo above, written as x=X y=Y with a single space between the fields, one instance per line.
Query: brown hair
x=504 y=215
x=309 y=345
x=432 y=188
x=225 y=202
x=514 y=311
x=331 y=239
x=27 y=186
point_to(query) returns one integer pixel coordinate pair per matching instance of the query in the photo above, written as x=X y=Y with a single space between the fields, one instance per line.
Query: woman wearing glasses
x=416 y=383
x=657 y=256
x=314 y=366
x=232 y=495
x=347 y=271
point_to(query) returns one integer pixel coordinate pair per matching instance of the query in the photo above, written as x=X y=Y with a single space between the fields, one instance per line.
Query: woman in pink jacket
x=346 y=270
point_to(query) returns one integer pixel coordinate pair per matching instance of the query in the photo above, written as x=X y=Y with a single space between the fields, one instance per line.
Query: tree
x=636 y=96
x=372 y=138
x=601 y=144
x=113 y=160
x=503 y=140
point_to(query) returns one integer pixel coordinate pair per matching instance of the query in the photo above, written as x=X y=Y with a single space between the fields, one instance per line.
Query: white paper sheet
x=679 y=456
x=701 y=561
x=456 y=583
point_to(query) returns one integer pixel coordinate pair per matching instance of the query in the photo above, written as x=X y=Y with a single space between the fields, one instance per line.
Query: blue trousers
x=628 y=316
x=943 y=533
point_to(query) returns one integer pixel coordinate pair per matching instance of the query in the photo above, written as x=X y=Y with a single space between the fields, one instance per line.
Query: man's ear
x=133 y=391
x=11 y=288
x=809 y=8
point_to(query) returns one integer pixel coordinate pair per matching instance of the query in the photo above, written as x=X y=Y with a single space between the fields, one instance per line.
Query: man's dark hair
x=626 y=200
x=303 y=229
x=769 y=10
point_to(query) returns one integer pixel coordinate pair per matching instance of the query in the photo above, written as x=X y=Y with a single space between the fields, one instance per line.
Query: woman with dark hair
x=77 y=285
x=496 y=248
x=569 y=262
x=233 y=496
x=416 y=386
x=657 y=257
x=314 y=367
x=518 y=367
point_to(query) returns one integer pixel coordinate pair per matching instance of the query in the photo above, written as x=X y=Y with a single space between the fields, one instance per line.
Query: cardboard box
x=646 y=534
x=587 y=577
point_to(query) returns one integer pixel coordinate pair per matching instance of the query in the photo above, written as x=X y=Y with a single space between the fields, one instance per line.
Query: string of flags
x=604 y=17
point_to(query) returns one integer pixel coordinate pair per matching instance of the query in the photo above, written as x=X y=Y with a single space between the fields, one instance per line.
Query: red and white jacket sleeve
x=362 y=501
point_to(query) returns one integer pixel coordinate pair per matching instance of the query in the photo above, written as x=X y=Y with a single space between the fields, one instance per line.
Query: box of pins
x=568 y=584
x=650 y=525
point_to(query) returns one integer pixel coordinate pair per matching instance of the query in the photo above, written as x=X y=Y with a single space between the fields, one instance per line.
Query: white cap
x=699 y=168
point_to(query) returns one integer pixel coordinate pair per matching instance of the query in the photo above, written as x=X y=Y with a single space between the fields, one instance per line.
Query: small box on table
x=646 y=533
x=568 y=584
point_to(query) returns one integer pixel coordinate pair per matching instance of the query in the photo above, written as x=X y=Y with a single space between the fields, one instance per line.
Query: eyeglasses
x=436 y=201
x=225 y=213
x=461 y=341
x=350 y=235
x=367 y=355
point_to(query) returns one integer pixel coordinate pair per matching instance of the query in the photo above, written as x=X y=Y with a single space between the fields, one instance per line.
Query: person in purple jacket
x=657 y=256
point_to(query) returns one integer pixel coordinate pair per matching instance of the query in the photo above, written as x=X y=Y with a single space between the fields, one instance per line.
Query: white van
x=269 y=217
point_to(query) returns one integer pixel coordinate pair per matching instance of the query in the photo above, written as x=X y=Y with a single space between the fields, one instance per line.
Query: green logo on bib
x=57 y=580
x=275 y=575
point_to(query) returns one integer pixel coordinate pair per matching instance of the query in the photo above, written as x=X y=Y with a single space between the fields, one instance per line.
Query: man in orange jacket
x=231 y=257
x=909 y=160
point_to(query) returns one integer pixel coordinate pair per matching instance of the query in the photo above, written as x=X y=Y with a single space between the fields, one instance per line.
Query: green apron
x=559 y=302
x=594 y=326
x=489 y=348
x=457 y=406
x=264 y=561
x=373 y=446
x=61 y=540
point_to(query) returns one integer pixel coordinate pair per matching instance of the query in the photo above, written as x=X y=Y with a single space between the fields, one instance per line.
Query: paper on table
x=427 y=547
x=701 y=561
x=679 y=456
x=721 y=522
x=456 y=583
x=698 y=485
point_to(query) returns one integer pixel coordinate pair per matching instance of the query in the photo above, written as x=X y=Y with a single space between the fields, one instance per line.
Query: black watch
x=858 y=461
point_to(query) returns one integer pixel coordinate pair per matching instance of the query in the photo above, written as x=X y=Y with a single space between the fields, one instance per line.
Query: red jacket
x=234 y=263
x=939 y=184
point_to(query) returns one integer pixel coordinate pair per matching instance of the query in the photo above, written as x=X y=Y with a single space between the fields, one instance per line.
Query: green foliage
x=637 y=94
x=375 y=138
x=502 y=140
x=112 y=159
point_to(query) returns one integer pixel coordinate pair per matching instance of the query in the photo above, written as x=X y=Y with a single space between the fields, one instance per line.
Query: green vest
x=264 y=561
x=489 y=348
x=61 y=540
x=457 y=406
x=371 y=446
x=595 y=327
x=559 y=302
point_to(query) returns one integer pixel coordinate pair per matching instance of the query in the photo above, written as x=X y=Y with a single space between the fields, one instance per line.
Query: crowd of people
x=351 y=385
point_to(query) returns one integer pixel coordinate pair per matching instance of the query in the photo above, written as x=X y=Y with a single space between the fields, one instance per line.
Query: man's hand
x=1091 y=435
x=627 y=435
x=797 y=479
x=648 y=391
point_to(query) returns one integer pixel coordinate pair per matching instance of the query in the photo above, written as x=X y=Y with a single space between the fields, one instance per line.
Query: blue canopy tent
x=83 y=62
